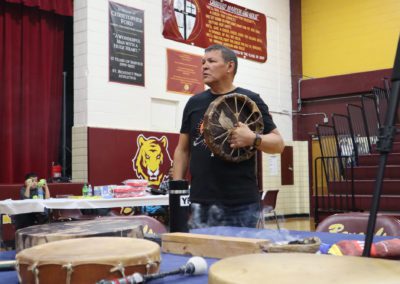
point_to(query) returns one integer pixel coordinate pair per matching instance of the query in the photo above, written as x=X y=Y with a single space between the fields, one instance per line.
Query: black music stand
x=385 y=143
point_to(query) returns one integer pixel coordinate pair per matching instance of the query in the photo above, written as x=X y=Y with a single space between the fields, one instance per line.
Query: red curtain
x=31 y=60
x=61 y=7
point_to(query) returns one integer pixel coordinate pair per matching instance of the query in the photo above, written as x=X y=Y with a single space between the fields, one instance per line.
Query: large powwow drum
x=87 y=260
x=220 y=120
x=129 y=226
x=288 y=268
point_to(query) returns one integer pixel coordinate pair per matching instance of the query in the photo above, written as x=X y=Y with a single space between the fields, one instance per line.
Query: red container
x=56 y=171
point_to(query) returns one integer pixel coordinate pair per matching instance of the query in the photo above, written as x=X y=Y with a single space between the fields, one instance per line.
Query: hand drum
x=221 y=118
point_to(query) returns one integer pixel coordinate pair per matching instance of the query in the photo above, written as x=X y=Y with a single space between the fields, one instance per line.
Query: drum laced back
x=221 y=118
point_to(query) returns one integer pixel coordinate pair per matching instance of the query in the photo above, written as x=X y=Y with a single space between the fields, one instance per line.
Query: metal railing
x=329 y=144
x=327 y=140
x=333 y=186
x=360 y=131
x=350 y=135
x=370 y=109
x=345 y=137
x=382 y=100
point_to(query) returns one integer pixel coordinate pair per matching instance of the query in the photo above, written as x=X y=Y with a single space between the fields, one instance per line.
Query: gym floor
x=297 y=224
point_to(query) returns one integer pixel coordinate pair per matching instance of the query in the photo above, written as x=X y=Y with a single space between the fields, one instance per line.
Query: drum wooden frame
x=87 y=260
x=289 y=268
x=46 y=233
x=221 y=118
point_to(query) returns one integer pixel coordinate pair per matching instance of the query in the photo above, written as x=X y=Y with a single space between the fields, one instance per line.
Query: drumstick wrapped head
x=195 y=266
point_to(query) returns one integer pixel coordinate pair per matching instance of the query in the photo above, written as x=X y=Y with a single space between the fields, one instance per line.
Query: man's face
x=215 y=69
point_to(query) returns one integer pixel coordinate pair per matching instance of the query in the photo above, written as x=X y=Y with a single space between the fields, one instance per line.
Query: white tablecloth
x=12 y=207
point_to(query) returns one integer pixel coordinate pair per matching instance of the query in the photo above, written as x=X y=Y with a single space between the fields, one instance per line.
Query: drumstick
x=195 y=266
x=7 y=265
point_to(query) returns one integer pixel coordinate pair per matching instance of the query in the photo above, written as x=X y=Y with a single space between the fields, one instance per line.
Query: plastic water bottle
x=90 y=190
x=97 y=191
x=84 y=190
x=40 y=193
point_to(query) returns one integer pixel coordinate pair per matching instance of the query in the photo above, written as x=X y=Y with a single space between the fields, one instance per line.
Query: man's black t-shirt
x=213 y=179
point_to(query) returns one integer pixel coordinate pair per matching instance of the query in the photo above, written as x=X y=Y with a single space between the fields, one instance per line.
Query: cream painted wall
x=343 y=37
x=292 y=199
x=106 y=104
x=99 y=103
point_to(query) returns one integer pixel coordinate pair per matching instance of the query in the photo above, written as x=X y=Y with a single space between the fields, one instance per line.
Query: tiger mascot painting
x=152 y=160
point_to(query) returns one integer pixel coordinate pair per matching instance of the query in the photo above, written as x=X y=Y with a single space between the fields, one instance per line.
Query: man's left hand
x=241 y=136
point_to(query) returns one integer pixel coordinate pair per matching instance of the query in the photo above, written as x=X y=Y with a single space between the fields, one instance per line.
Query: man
x=222 y=193
x=32 y=189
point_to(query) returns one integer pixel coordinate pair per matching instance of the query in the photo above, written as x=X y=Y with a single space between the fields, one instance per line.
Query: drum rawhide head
x=221 y=118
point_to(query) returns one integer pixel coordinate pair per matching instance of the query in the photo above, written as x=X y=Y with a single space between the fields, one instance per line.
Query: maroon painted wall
x=111 y=151
x=331 y=95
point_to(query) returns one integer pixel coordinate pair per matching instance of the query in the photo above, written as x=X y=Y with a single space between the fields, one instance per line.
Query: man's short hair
x=227 y=54
x=30 y=175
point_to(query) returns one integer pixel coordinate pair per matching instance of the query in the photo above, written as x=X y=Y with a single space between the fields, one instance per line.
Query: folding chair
x=268 y=203
x=356 y=223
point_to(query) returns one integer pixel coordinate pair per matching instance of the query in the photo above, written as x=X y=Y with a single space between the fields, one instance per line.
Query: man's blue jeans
x=209 y=215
